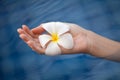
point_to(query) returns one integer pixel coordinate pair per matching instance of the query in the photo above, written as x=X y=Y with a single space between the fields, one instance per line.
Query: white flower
x=58 y=35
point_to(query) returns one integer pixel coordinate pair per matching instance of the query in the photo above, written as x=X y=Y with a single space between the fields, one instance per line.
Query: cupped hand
x=79 y=34
x=30 y=37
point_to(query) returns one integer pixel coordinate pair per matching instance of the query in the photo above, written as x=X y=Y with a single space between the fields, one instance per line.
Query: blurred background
x=19 y=62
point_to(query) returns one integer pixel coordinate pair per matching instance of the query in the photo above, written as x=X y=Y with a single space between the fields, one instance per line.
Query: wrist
x=100 y=46
x=96 y=44
x=90 y=43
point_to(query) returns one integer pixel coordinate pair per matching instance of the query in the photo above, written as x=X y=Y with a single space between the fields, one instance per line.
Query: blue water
x=19 y=62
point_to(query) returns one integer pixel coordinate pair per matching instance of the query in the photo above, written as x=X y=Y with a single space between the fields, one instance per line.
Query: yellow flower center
x=55 y=37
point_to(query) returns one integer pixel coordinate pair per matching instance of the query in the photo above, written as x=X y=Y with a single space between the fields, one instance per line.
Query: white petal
x=56 y=27
x=66 y=41
x=44 y=39
x=62 y=28
x=52 y=49
x=49 y=27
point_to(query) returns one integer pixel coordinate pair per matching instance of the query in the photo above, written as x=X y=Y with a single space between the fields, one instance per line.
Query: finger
x=21 y=31
x=24 y=37
x=30 y=44
x=38 y=30
x=27 y=30
x=38 y=49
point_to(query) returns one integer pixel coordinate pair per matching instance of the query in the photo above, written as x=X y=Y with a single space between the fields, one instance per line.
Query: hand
x=31 y=37
x=79 y=34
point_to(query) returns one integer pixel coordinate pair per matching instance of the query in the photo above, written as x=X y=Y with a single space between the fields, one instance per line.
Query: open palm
x=30 y=37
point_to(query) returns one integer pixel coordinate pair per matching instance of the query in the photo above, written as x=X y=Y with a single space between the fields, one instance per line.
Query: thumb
x=38 y=30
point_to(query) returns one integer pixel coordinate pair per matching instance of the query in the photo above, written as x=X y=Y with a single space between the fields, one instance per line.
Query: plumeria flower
x=58 y=34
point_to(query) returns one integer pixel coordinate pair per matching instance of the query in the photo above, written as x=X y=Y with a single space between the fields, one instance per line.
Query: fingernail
x=18 y=29
x=33 y=50
x=23 y=26
x=20 y=36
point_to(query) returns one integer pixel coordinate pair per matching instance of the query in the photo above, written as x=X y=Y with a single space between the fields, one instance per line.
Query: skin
x=84 y=41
